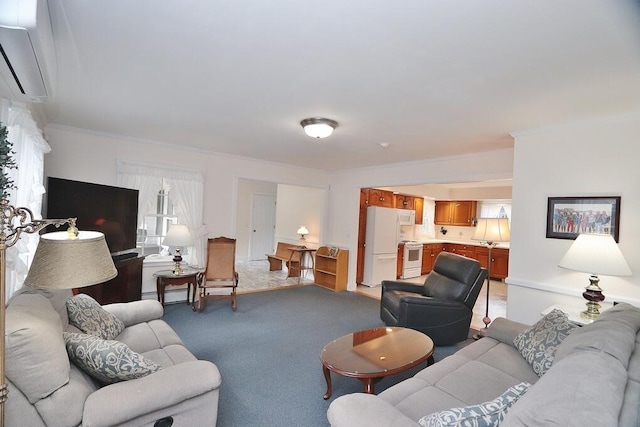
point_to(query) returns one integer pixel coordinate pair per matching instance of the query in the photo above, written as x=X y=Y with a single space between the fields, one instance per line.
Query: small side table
x=304 y=251
x=166 y=278
x=573 y=312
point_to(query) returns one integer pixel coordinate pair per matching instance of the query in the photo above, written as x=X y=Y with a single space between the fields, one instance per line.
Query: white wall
x=583 y=159
x=298 y=206
x=89 y=156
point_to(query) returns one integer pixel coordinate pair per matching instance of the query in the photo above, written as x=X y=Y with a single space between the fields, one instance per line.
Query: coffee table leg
x=368 y=385
x=327 y=376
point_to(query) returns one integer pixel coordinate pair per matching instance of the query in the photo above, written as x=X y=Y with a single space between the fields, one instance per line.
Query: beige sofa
x=594 y=380
x=46 y=389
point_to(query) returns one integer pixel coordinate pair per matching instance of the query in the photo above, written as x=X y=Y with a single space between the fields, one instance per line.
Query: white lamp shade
x=64 y=263
x=492 y=230
x=178 y=235
x=596 y=254
x=303 y=230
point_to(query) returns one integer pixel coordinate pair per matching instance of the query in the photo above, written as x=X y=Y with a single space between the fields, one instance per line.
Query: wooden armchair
x=220 y=279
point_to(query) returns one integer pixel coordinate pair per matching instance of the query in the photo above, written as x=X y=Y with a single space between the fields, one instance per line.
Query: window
x=495 y=210
x=167 y=196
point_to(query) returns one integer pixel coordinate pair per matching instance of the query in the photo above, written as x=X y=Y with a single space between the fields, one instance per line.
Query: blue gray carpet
x=268 y=352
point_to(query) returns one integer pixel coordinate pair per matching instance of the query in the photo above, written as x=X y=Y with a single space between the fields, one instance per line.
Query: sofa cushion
x=87 y=314
x=487 y=414
x=538 y=344
x=107 y=360
x=34 y=345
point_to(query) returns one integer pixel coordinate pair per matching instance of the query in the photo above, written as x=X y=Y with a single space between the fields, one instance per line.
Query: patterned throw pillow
x=486 y=414
x=87 y=314
x=106 y=360
x=538 y=344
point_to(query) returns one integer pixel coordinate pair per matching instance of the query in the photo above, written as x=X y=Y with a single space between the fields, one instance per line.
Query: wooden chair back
x=221 y=259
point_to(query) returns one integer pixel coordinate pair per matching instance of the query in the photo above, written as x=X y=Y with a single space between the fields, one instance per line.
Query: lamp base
x=593 y=295
x=177 y=259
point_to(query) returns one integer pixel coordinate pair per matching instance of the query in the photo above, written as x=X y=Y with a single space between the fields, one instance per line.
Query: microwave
x=406 y=217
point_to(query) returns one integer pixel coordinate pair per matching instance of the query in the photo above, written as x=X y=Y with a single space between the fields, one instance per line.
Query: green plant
x=7 y=162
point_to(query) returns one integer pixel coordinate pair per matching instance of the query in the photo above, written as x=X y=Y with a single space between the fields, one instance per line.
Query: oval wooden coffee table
x=372 y=354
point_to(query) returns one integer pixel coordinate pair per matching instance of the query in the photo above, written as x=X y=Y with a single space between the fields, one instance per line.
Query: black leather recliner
x=441 y=308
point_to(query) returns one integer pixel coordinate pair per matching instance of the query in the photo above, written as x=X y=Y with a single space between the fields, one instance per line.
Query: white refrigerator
x=381 y=245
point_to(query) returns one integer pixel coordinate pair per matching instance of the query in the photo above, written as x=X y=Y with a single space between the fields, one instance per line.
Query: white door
x=263 y=220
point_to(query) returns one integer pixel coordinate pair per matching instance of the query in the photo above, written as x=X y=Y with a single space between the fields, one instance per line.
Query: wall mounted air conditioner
x=27 y=55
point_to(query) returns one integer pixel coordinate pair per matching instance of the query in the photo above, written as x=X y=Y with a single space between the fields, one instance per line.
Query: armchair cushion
x=106 y=360
x=87 y=315
x=34 y=345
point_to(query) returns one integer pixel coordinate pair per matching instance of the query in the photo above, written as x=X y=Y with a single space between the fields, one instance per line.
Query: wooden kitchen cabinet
x=499 y=261
x=460 y=249
x=456 y=212
x=382 y=198
x=430 y=252
x=418 y=206
x=404 y=201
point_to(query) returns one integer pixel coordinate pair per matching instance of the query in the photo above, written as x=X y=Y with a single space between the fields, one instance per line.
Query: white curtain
x=186 y=189
x=30 y=148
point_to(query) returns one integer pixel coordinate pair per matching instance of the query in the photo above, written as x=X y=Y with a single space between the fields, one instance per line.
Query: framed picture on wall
x=569 y=216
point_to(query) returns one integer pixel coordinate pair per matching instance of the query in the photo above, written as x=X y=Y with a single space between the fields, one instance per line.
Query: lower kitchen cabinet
x=430 y=252
x=499 y=261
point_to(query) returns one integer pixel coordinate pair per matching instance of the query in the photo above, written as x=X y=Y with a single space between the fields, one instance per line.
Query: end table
x=166 y=278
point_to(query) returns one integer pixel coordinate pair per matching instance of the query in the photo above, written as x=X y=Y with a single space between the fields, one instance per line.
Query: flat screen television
x=112 y=211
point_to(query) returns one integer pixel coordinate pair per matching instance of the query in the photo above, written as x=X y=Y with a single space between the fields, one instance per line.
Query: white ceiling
x=432 y=78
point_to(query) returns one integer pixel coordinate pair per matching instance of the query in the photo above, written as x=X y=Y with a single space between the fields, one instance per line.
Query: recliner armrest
x=134 y=312
x=120 y=402
x=394 y=285
x=424 y=301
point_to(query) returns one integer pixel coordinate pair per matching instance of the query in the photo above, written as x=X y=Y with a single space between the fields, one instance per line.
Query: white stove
x=412 y=260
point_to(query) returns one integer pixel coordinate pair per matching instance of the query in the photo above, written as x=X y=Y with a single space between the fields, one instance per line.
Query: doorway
x=263 y=220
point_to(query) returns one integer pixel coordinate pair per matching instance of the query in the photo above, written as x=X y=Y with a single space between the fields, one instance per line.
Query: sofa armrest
x=505 y=330
x=393 y=285
x=134 y=312
x=360 y=409
x=117 y=403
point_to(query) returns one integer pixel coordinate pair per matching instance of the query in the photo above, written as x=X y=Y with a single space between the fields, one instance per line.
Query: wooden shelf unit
x=331 y=272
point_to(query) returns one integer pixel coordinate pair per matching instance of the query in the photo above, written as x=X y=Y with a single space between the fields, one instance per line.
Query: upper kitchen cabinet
x=403 y=201
x=457 y=212
x=418 y=206
x=382 y=198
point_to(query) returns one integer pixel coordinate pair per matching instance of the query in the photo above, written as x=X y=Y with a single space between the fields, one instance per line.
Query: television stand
x=125 y=287
x=124 y=256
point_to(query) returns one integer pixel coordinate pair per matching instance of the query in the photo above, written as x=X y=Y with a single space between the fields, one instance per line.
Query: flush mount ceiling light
x=318 y=127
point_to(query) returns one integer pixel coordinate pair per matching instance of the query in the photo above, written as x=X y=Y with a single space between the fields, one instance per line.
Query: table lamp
x=178 y=236
x=63 y=260
x=595 y=254
x=491 y=231
x=302 y=231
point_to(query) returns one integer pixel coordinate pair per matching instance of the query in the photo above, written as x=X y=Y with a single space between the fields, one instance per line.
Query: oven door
x=412 y=260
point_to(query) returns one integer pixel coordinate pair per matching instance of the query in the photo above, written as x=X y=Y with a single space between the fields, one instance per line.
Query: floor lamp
x=63 y=260
x=491 y=231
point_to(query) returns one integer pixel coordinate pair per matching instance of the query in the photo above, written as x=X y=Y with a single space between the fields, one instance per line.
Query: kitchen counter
x=504 y=245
